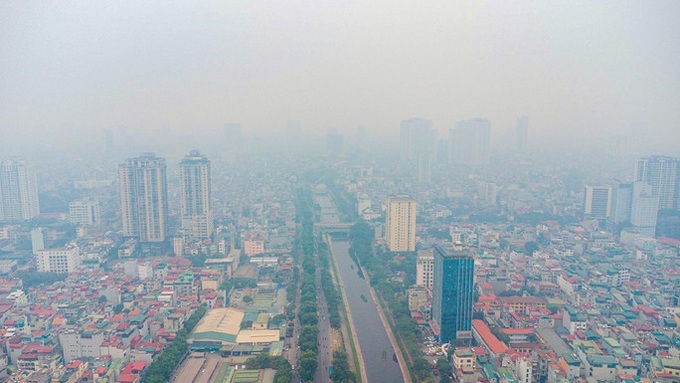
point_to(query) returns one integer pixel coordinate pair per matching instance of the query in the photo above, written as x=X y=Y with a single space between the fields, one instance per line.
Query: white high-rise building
x=597 y=202
x=425 y=268
x=196 y=196
x=663 y=174
x=18 y=191
x=144 y=198
x=622 y=199
x=644 y=208
x=84 y=211
x=60 y=260
x=470 y=142
x=400 y=226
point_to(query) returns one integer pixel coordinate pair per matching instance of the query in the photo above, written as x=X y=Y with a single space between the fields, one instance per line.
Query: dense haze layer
x=576 y=68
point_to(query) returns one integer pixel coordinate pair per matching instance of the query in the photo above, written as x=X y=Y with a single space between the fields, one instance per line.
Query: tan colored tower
x=195 y=196
x=400 y=226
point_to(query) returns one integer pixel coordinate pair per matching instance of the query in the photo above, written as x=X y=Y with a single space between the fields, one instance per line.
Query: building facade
x=60 y=260
x=144 y=198
x=425 y=268
x=84 y=211
x=196 y=196
x=18 y=191
x=400 y=224
x=597 y=202
x=452 y=295
x=644 y=208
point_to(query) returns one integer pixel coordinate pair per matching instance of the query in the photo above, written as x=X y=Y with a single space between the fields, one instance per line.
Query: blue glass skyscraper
x=452 y=296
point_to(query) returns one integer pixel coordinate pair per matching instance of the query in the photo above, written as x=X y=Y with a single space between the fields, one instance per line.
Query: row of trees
x=161 y=369
x=330 y=291
x=307 y=314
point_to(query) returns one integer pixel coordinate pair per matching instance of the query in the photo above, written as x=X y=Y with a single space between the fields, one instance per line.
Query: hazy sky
x=571 y=66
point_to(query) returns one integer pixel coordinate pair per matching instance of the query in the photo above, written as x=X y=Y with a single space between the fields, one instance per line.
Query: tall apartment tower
x=470 y=142
x=196 y=196
x=663 y=174
x=144 y=198
x=400 y=225
x=418 y=145
x=597 y=202
x=644 y=208
x=452 y=293
x=414 y=136
x=522 y=134
x=18 y=191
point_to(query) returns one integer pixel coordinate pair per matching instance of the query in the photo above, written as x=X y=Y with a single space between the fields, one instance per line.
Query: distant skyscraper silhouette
x=418 y=146
x=522 y=134
x=18 y=191
x=144 y=198
x=663 y=174
x=470 y=142
x=452 y=293
x=196 y=196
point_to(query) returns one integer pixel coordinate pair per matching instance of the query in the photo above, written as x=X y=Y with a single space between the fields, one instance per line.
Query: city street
x=325 y=354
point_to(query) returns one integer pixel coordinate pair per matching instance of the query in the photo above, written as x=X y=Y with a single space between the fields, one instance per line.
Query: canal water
x=381 y=365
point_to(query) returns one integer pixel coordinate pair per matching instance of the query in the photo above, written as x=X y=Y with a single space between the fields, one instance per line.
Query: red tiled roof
x=495 y=345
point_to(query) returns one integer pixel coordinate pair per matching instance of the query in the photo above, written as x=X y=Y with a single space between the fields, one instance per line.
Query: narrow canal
x=381 y=364
x=379 y=358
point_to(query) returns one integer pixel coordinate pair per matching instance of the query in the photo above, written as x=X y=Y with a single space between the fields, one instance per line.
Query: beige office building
x=400 y=226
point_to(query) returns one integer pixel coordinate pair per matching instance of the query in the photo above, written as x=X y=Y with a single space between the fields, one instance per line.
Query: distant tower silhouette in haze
x=470 y=142
x=522 y=134
x=663 y=174
x=418 y=146
x=144 y=198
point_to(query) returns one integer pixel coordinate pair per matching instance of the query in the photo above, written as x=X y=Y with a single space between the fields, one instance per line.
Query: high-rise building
x=400 y=225
x=61 y=260
x=452 y=295
x=644 y=208
x=622 y=199
x=415 y=136
x=597 y=202
x=144 y=198
x=18 y=191
x=196 y=196
x=84 y=211
x=470 y=142
x=425 y=268
x=418 y=145
x=663 y=174
x=522 y=134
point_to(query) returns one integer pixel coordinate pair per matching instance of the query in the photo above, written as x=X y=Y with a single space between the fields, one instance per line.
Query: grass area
x=355 y=356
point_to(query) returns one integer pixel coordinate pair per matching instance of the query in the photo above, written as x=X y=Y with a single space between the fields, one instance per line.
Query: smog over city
x=348 y=191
